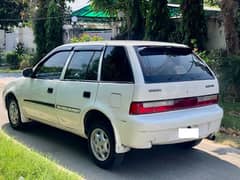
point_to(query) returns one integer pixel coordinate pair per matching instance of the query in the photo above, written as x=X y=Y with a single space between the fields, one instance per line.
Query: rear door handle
x=86 y=94
x=50 y=90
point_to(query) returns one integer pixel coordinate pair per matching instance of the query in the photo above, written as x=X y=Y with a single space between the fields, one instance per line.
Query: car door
x=78 y=88
x=40 y=90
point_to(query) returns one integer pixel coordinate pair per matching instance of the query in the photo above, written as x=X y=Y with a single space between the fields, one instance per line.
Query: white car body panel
x=70 y=103
x=175 y=90
x=36 y=90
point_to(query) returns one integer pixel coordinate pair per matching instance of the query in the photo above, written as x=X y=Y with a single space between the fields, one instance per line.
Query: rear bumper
x=162 y=128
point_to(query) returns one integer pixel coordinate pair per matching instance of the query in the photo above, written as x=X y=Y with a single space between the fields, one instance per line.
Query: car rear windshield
x=171 y=64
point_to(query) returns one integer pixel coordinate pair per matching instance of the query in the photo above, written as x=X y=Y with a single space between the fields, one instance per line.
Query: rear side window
x=83 y=66
x=170 y=64
x=116 y=66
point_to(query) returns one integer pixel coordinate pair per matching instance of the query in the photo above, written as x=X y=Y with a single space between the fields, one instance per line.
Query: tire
x=14 y=114
x=190 y=144
x=101 y=145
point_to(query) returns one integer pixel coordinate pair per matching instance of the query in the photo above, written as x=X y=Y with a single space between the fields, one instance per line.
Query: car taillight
x=170 y=105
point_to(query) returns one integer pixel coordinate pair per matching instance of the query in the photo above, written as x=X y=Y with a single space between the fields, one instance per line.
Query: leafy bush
x=86 y=37
x=26 y=61
x=212 y=58
x=13 y=60
x=1 y=58
x=229 y=76
x=20 y=50
x=227 y=69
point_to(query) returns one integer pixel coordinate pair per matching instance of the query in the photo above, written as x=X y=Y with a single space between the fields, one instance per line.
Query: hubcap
x=13 y=112
x=100 y=144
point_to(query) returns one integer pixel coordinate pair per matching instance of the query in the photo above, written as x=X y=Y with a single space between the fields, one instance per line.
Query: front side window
x=83 y=66
x=52 y=68
x=170 y=64
x=116 y=66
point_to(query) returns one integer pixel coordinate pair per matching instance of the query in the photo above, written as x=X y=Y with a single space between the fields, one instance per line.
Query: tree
x=231 y=20
x=136 y=20
x=54 y=26
x=194 y=26
x=48 y=22
x=158 y=21
x=110 y=6
x=133 y=11
x=10 y=12
x=39 y=29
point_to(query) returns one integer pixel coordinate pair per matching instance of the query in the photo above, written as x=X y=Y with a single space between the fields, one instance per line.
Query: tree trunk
x=230 y=19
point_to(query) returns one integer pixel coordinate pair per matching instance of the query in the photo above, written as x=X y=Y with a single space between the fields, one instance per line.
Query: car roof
x=121 y=43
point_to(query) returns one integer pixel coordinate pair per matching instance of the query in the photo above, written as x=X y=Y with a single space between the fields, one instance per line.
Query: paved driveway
x=208 y=161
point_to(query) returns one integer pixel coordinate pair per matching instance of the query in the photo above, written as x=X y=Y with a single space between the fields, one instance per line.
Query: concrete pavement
x=208 y=161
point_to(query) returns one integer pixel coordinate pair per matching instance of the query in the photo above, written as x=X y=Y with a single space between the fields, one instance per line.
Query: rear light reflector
x=170 y=105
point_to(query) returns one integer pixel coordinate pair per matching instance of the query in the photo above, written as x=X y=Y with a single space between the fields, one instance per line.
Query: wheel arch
x=8 y=96
x=91 y=117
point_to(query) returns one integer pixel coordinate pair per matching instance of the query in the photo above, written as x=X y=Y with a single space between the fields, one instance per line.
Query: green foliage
x=158 y=21
x=194 y=26
x=13 y=59
x=39 y=29
x=230 y=73
x=136 y=20
x=1 y=58
x=20 y=49
x=85 y=37
x=10 y=9
x=48 y=26
x=26 y=61
x=53 y=26
x=231 y=115
x=212 y=2
x=227 y=69
x=110 y=6
x=20 y=162
x=134 y=12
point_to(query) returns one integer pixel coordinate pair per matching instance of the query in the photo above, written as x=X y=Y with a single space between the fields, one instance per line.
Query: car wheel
x=190 y=144
x=101 y=144
x=14 y=114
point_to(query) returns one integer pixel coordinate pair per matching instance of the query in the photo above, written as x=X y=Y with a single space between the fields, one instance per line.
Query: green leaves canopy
x=10 y=12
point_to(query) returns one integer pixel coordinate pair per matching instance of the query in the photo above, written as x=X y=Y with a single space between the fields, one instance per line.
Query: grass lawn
x=20 y=162
x=10 y=71
x=231 y=120
x=231 y=117
x=228 y=140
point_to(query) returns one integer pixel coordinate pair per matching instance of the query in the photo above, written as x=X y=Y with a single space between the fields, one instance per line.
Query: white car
x=119 y=95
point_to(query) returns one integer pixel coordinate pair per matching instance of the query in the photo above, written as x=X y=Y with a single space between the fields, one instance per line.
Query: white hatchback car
x=119 y=95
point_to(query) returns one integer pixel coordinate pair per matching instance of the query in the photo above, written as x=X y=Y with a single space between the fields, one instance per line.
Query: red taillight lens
x=170 y=105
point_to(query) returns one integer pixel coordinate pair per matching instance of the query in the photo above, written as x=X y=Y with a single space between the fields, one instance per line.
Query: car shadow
x=160 y=162
x=227 y=150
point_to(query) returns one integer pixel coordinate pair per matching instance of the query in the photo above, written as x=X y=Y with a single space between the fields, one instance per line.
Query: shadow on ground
x=161 y=162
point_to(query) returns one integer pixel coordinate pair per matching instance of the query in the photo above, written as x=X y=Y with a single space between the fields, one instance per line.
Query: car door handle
x=86 y=94
x=50 y=90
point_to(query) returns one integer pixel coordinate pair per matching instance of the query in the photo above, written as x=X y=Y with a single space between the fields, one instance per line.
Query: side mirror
x=27 y=72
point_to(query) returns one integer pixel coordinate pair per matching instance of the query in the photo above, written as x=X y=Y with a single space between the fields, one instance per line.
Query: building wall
x=9 y=40
x=216 y=36
x=25 y=35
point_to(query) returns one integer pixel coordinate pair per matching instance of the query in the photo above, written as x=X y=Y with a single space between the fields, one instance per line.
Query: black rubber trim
x=60 y=107
x=68 y=108
x=40 y=102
